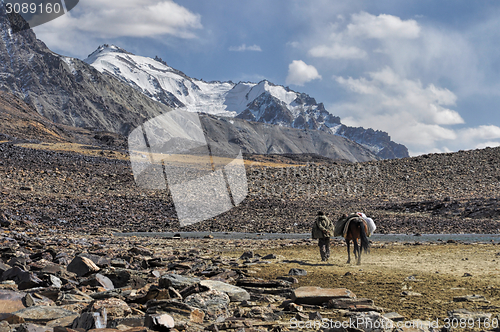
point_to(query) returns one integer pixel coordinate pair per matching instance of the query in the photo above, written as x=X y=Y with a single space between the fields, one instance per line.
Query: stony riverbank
x=80 y=282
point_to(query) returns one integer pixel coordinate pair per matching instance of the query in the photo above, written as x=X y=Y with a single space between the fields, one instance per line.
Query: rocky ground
x=64 y=266
x=81 y=282
x=92 y=190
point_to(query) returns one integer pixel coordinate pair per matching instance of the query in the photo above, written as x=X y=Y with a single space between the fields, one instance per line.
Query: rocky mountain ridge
x=259 y=102
x=70 y=92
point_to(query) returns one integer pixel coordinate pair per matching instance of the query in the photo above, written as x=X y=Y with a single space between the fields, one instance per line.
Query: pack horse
x=355 y=227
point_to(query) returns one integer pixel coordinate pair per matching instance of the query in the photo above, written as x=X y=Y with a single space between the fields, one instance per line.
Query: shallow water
x=375 y=237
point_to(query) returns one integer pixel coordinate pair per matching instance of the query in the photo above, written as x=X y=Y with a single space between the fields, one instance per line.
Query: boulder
x=177 y=281
x=33 y=328
x=3 y=267
x=318 y=295
x=297 y=272
x=100 y=261
x=72 y=297
x=141 y=251
x=10 y=301
x=42 y=314
x=87 y=321
x=253 y=282
x=211 y=302
x=99 y=280
x=470 y=298
x=247 y=255
x=82 y=266
x=235 y=293
x=131 y=321
x=57 y=270
x=115 y=308
x=123 y=278
x=23 y=279
x=55 y=281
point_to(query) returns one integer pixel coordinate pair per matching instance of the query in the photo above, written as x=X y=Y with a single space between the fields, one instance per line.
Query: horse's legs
x=357 y=251
x=359 y=254
x=348 y=252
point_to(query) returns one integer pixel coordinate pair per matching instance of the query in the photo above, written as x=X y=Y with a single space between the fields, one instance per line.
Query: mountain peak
x=103 y=50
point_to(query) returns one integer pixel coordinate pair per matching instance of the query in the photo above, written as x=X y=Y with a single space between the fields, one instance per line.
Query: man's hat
x=320 y=213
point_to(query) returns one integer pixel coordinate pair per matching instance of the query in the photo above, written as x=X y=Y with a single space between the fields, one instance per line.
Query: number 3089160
x=33 y=8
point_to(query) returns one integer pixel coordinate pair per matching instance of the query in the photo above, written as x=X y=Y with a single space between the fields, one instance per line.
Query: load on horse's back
x=353 y=227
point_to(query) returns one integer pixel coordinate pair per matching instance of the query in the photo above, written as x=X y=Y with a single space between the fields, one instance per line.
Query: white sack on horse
x=369 y=222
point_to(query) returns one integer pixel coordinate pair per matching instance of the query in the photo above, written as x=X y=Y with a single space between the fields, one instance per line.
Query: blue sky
x=426 y=72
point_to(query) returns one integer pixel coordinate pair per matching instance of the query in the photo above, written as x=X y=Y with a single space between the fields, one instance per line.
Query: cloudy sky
x=427 y=72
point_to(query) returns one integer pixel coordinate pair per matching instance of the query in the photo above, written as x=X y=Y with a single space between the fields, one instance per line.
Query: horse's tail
x=365 y=243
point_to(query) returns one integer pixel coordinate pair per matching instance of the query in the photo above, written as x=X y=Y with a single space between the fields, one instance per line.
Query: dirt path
x=436 y=272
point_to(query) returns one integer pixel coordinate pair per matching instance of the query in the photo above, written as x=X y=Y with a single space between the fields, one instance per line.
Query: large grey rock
x=86 y=321
x=74 y=296
x=55 y=281
x=42 y=314
x=235 y=293
x=34 y=328
x=318 y=295
x=470 y=298
x=104 y=281
x=131 y=321
x=177 y=281
x=23 y=279
x=114 y=308
x=212 y=302
x=177 y=309
x=57 y=270
x=123 y=278
x=297 y=272
x=253 y=282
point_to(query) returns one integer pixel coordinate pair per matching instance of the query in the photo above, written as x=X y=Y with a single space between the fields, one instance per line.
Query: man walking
x=322 y=230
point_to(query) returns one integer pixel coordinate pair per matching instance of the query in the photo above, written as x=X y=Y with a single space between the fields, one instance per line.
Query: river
x=471 y=238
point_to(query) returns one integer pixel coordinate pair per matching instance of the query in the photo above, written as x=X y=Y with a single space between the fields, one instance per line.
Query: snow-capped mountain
x=121 y=91
x=260 y=102
x=71 y=92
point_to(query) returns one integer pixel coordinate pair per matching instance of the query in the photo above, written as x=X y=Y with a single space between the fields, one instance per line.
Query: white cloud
x=337 y=51
x=393 y=93
x=483 y=145
x=92 y=21
x=482 y=132
x=244 y=47
x=413 y=114
x=383 y=26
x=300 y=73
